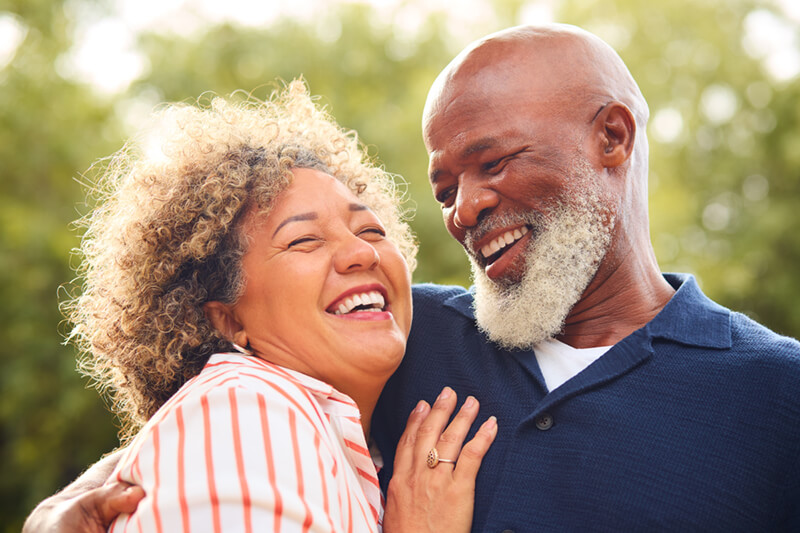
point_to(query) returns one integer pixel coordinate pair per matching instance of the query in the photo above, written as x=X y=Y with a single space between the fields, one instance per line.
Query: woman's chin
x=381 y=356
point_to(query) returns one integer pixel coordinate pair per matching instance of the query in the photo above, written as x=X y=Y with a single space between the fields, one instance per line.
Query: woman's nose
x=354 y=254
x=473 y=201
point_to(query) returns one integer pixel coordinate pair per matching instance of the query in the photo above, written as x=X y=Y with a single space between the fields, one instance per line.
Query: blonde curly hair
x=166 y=234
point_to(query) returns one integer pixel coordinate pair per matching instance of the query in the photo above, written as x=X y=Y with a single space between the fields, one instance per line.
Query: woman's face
x=326 y=293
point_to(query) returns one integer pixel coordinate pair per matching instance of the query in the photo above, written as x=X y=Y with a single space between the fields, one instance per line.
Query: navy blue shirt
x=691 y=423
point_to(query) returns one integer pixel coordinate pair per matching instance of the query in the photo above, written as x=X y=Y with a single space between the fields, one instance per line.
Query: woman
x=246 y=297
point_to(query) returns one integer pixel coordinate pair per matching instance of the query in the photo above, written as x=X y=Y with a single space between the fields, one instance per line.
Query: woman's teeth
x=506 y=239
x=369 y=301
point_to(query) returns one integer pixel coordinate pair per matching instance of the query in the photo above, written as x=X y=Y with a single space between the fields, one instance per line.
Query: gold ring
x=434 y=459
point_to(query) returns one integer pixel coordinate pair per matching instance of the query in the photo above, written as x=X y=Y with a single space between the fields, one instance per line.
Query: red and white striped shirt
x=251 y=446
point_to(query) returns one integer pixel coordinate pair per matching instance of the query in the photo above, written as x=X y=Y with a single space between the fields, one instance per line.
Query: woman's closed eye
x=372 y=233
x=304 y=242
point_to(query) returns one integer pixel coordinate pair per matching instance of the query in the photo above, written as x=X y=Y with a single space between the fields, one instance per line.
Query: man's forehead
x=492 y=94
x=468 y=116
x=473 y=124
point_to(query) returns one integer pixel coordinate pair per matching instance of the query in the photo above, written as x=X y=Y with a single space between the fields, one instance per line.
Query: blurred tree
x=724 y=167
x=51 y=427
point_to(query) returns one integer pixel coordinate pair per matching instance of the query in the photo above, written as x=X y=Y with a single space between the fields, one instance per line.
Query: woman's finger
x=473 y=452
x=452 y=438
x=404 y=456
x=432 y=427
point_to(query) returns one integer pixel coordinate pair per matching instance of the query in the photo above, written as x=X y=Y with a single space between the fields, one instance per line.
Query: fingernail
x=421 y=405
x=446 y=392
x=469 y=403
x=490 y=423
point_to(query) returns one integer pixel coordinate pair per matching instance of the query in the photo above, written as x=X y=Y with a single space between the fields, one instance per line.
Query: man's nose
x=473 y=201
x=354 y=254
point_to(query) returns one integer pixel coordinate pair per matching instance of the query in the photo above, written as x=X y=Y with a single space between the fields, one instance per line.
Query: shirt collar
x=332 y=400
x=690 y=317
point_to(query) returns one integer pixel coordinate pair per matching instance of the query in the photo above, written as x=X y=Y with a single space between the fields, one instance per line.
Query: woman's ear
x=615 y=131
x=223 y=319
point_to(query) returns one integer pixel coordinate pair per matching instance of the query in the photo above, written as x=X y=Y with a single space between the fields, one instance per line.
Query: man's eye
x=446 y=195
x=496 y=165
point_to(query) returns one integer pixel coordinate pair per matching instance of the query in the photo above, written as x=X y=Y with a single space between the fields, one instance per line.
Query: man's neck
x=616 y=303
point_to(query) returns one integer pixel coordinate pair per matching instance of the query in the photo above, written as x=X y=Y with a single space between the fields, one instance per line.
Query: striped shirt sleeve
x=236 y=459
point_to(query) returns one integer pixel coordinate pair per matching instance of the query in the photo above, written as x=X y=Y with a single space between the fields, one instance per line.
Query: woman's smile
x=362 y=303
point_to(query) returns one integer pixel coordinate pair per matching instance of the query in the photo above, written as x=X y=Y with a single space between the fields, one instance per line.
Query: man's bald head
x=577 y=66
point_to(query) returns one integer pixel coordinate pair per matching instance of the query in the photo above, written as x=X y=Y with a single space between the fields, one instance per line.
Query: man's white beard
x=563 y=256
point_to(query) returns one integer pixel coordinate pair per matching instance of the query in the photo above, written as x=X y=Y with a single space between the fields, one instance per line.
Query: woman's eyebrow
x=296 y=218
x=313 y=216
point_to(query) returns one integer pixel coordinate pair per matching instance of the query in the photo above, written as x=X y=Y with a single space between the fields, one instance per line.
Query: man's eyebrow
x=358 y=207
x=478 y=146
x=296 y=218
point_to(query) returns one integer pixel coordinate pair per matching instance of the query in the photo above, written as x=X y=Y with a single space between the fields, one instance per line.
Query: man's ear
x=614 y=130
x=223 y=319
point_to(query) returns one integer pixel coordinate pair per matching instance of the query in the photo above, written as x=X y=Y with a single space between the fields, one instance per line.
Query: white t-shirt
x=559 y=362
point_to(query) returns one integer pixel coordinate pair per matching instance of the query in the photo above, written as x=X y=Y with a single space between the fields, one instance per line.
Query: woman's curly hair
x=165 y=237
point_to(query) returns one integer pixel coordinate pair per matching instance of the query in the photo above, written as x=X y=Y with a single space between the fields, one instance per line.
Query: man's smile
x=498 y=245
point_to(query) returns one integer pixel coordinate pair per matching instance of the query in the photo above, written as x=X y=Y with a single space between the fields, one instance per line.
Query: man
x=626 y=400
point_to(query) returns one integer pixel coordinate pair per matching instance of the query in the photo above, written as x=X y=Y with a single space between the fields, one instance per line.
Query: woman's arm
x=86 y=504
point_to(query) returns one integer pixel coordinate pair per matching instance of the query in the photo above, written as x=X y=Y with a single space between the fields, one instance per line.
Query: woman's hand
x=424 y=499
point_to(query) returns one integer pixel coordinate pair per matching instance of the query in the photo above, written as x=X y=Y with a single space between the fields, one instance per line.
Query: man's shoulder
x=753 y=337
x=758 y=351
x=692 y=318
x=435 y=293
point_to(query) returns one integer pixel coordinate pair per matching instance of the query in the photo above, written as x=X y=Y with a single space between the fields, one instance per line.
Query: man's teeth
x=372 y=302
x=506 y=239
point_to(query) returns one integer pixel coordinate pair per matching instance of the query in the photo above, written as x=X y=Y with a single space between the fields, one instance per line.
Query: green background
x=724 y=185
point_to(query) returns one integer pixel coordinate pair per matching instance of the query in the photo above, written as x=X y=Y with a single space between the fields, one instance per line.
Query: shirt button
x=544 y=421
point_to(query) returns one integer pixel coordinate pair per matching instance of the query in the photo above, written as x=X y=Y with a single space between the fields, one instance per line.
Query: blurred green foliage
x=725 y=162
